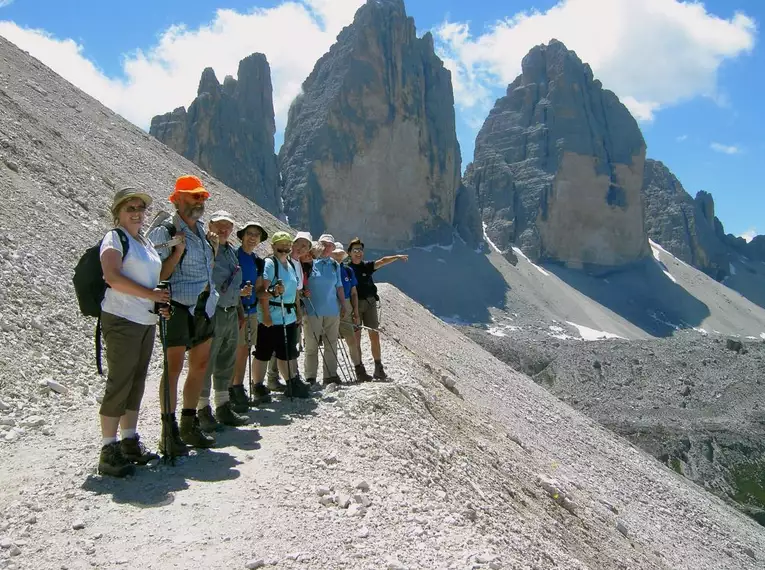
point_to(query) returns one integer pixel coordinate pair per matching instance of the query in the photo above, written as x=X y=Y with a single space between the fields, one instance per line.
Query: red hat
x=189 y=184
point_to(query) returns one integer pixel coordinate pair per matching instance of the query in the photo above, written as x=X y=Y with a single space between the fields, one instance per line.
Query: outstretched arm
x=383 y=261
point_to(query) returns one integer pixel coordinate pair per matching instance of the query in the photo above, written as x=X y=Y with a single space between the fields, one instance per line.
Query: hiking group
x=214 y=303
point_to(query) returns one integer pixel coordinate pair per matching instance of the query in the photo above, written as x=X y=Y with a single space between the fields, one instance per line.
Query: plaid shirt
x=194 y=273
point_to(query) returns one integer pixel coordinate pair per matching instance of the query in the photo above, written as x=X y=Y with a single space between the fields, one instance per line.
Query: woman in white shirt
x=128 y=323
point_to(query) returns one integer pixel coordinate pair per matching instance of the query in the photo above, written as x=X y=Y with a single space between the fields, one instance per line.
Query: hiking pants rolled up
x=327 y=329
x=349 y=334
x=128 y=353
x=220 y=367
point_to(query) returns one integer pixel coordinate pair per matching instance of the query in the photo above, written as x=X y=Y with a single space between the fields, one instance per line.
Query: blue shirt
x=194 y=273
x=249 y=273
x=323 y=282
x=349 y=280
x=289 y=278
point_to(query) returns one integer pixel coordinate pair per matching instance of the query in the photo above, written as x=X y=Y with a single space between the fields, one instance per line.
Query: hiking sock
x=127 y=433
x=108 y=440
x=189 y=412
x=203 y=403
x=221 y=398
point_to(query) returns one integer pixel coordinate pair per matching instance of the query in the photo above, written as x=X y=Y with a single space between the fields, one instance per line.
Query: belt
x=227 y=309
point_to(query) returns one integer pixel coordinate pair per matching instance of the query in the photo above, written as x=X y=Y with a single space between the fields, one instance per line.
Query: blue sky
x=691 y=73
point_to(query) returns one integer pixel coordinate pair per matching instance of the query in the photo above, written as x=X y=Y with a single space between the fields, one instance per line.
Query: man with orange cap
x=188 y=266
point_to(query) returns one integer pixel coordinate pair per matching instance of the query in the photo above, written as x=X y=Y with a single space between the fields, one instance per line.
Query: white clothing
x=143 y=265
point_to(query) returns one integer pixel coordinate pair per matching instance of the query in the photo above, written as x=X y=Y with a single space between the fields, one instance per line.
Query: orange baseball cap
x=189 y=184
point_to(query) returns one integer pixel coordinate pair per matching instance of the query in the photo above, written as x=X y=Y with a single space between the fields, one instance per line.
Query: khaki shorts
x=253 y=321
x=368 y=313
x=346 y=323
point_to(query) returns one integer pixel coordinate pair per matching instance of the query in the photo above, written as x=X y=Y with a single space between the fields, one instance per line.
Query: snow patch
x=486 y=237
x=591 y=334
x=656 y=248
x=702 y=331
x=732 y=269
x=560 y=332
x=519 y=252
x=762 y=336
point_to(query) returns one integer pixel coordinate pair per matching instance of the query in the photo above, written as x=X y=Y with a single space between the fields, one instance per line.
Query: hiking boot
x=207 y=421
x=112 y=462
x=238 y=398
x=379 y=373
x=261 y=394
x=170 y=442
x=192 y=435
x=135 y=451
x=332 y=380
x=361 y=374
x=274 y=385
x=227 y=416
x=296 y=389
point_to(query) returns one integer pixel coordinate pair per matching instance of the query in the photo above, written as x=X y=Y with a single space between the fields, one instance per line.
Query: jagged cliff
x=229 y=131
x=370 y=147
x=558 y=166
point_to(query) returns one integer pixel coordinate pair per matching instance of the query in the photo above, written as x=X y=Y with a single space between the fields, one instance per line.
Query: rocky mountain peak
x=229 y=131
x=558 y=166
x=208 y=83
x=378 y=102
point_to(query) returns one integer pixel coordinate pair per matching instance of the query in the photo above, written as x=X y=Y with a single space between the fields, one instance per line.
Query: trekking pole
x=348 y=363
x=249 y=360
x=324 y=364
x=286 y=345
x=168 y=439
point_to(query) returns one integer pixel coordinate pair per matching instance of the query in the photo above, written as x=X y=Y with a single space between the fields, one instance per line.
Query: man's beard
x=195 y=211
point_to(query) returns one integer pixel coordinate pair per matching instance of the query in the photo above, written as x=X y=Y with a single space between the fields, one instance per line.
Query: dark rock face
x=229 y=131
x=558 y=166
x=683 y=226
x=370 y=147
x=688 y=227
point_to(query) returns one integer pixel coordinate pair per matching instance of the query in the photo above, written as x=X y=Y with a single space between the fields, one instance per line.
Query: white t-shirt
x=143 y=265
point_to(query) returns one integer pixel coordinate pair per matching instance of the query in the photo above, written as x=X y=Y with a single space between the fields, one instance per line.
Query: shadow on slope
x=642 y=294
x=748 y=281
x=454 y=283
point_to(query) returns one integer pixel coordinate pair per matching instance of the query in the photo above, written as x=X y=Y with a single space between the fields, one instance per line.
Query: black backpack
x=90 y=287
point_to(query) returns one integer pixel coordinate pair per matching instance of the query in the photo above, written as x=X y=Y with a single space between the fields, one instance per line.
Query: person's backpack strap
x=260 y=263
x=276 y=269
x=125 y=247
x=124 y=241
x=169 y=225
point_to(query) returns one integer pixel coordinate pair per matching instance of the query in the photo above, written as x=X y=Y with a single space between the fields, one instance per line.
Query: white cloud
x=725 y=149
x=651 y=53
x=4 y=3
x=749 y=234
x=682 y=138
x=293 y=35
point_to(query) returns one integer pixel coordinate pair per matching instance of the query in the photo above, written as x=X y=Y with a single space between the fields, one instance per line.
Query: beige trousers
x=327 y=329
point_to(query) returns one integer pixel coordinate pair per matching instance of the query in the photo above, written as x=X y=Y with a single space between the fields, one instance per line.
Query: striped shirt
x=194 y=273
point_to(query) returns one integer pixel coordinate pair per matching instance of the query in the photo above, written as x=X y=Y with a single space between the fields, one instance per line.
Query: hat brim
x=263 y=232
x=147 y=200
x=222 y=219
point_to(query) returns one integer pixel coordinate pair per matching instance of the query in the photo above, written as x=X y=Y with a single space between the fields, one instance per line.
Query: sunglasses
x=134 y=209
x=279 y=250
x=198 y=196
x=357 y=250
